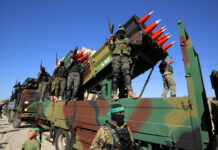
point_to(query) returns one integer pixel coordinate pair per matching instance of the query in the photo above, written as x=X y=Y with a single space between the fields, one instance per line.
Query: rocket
x=151 y=27
x=145 y=18
x=156 y=35
x=161 y=29
x=84 y=62
x=83 y=58
x=161 y=42
x=79 y=55
x=168 y=46
x=163 y=36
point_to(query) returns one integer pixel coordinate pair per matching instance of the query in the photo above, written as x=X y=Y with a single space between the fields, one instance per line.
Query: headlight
x=26 y=102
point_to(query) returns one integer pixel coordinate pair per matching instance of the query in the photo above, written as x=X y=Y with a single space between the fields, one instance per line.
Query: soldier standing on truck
x=60 y=81
x=43 y=79
x=114 y=134
x=73 y=79
x=121 y=51
x=17 y=90
x=168 y=80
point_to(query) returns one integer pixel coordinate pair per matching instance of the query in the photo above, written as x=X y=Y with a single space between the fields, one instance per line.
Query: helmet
x=121 y=28
x=43 y=69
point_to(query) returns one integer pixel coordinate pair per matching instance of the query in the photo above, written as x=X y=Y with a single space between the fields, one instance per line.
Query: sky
x=35 y=30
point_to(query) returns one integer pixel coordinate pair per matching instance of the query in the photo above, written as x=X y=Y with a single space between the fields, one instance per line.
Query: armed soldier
x=121 y=51
x=43 y=79
x=114 y=134
x=60 y=81
x=167 y=73
x=17 y=90
x=73 y=79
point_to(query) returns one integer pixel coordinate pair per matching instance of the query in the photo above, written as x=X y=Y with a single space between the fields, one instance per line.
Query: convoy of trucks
x=156 y=123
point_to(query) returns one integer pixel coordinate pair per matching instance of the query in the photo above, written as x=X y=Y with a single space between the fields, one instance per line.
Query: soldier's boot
x=173 y=96
x=115 y=97
x=131 y=94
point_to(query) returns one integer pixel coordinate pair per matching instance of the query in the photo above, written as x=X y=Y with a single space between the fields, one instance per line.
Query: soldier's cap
x=115 y=108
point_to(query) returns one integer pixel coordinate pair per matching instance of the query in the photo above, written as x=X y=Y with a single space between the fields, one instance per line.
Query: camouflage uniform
x=18 y=90
x=168 y=79
x=104 y=139
x=73 y=79
x=60 y=80
x=43 y=79
x=121 y=51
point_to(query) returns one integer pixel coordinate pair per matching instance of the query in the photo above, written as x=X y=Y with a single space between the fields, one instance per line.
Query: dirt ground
x=12 y=139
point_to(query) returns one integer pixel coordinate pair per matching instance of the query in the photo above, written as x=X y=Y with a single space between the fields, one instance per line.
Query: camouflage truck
x=156 y=123
x=26 y=104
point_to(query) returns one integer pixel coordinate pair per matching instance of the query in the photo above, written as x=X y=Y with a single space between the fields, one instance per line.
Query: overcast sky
x=34 y=30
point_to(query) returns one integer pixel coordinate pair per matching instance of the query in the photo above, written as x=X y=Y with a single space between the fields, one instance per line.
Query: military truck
x=156 y=123
x=26 y=104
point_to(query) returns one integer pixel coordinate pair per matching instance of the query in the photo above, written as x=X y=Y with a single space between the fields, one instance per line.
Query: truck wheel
x=10 y=117
x=62 y=140
x=16 y=122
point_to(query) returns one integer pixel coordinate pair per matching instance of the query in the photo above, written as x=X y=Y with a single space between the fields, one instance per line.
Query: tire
x=63 y=140
x=16 y=122
x=10 y=117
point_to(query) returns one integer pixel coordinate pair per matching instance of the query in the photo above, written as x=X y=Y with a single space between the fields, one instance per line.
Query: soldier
x=121 y=51
x=167 y=73
x=73 y=79
x=18 y=90
x=60 y=80
x=1 y=107
x=114 y=134
x=43 y=79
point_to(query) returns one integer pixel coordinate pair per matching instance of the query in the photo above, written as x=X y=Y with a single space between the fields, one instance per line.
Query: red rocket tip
x=145 y=18
x=169 y=36
x=158 y=30
x=158 y=34
x=168 y=46
x=161 y=37
x=79 y=55
x=151 y=27
x=150 y=13
x=84 y=62
x=161 y=42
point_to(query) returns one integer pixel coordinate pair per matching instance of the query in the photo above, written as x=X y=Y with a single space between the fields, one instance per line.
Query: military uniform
x=73 y=79
x=104 y=139
x=168 y=79
x=18 y=90
x=43 y=79
x=121 y=51
x=60 y=80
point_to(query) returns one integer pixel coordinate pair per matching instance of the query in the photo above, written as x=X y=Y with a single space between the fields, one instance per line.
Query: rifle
x=111 y=29
x=56 y=59
x=41 y=65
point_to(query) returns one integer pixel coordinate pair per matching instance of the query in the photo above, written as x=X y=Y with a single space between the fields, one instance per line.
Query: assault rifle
x=56 y=59
x=111 y=29
x=41 y=65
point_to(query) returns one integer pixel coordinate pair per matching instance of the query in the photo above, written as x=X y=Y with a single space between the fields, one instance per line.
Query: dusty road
x=12 y=139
